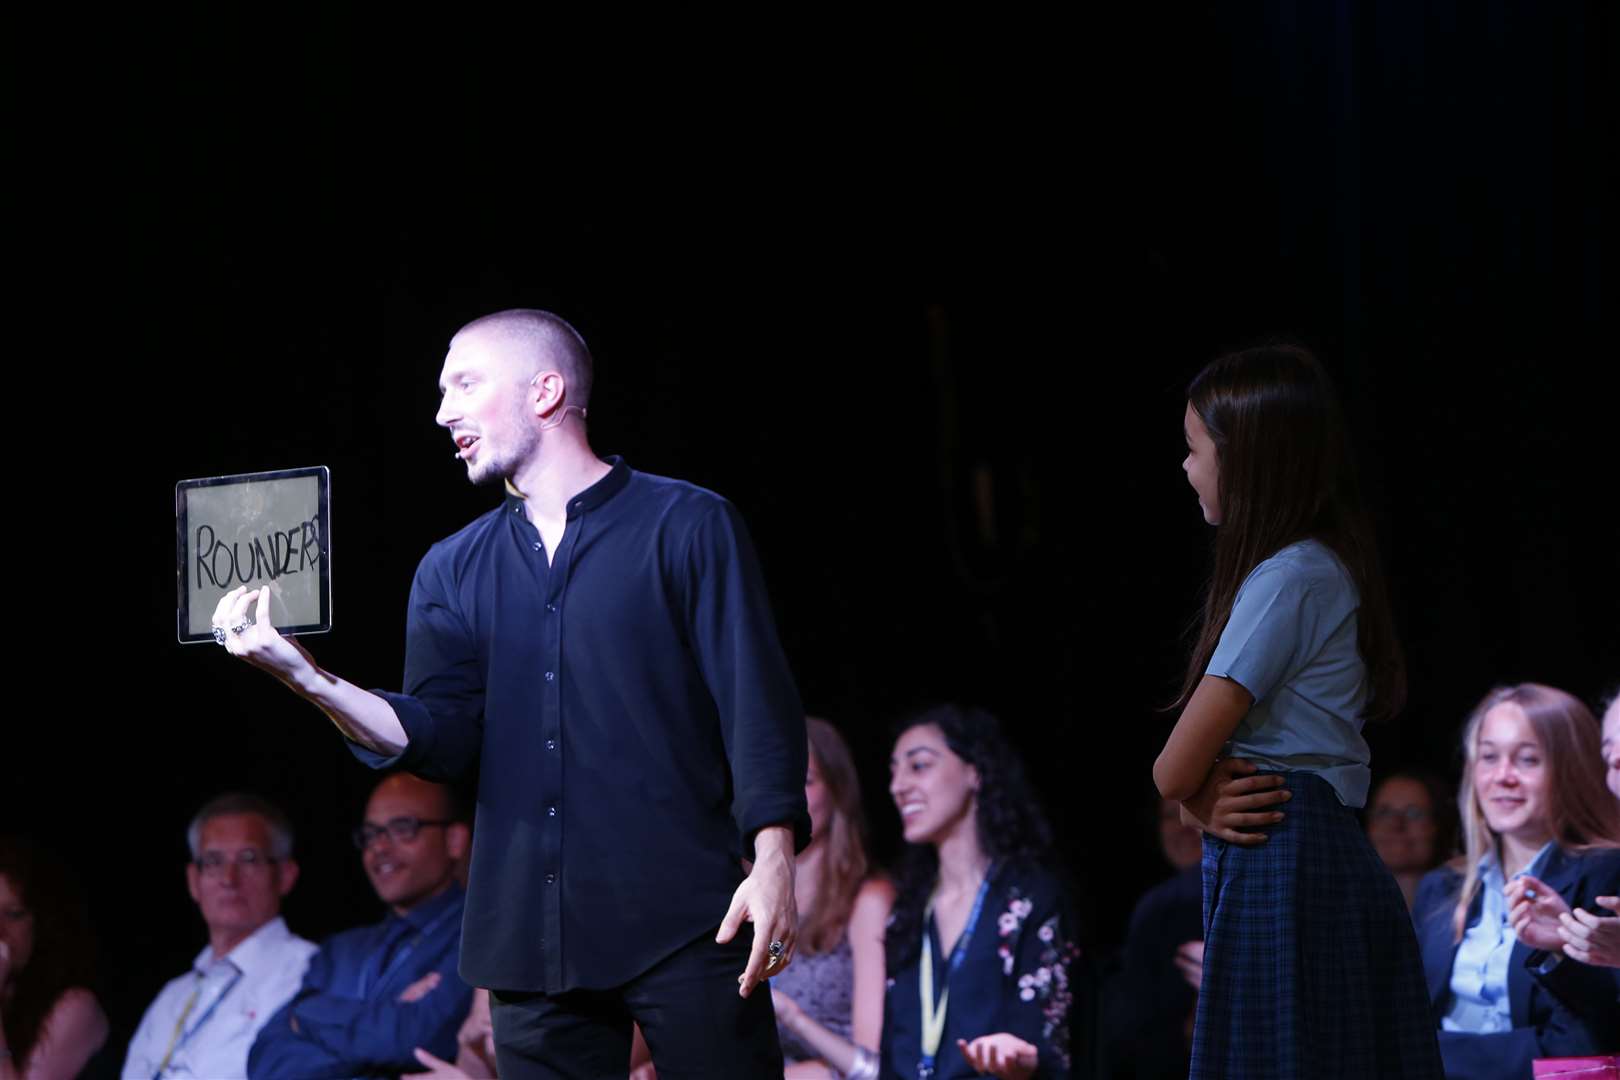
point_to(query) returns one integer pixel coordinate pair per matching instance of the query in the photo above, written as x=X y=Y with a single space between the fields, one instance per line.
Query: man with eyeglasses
x=203 y=1023
x=374 y=994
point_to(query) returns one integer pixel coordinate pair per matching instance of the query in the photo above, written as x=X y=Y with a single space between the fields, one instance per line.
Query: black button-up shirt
x=603 y=696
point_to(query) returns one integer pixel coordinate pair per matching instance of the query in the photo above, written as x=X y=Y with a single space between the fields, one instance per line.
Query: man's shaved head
x=542 y=342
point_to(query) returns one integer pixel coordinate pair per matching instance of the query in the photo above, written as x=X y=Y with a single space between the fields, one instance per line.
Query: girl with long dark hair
x=1310 y=966
x=52 y=1023
x=980 y=957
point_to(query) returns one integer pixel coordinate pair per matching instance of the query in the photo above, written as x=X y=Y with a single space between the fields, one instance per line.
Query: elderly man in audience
x=374 y=994
x=203 y=1022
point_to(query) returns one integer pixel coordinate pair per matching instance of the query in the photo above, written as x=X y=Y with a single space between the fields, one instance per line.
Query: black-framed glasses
x=248 y=861
x=400 y=830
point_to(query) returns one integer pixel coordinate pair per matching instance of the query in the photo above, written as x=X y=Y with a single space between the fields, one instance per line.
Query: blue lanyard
x=404 y=948
x=201 y=1020
x=934 y=1015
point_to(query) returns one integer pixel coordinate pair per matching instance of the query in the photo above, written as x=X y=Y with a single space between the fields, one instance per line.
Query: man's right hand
x=361 y=715
x=1233 y=800
x=255 y=639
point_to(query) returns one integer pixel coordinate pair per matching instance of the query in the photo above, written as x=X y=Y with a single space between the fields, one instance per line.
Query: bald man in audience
x=374 y=994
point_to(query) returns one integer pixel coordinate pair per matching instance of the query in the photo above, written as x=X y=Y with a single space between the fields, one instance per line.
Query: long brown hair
x=843 y=860
x=1582 y=813
x=63 y=953
x=1286 y=475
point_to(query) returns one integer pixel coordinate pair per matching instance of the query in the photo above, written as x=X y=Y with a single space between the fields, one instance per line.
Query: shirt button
x=551 y=608
x=551 y=744
x=551 y=879
x=537 y=545
x=551 y=811
x=551 y=676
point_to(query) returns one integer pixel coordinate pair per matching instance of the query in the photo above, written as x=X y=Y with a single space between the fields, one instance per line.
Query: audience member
x=475 y=1048
x=1536 y=822
x=373 y=995
x=982 y=970
x=203 y=1022
x=1409 y=822
x=50 y=1021
x=1586 y=936
x=1152 y=995
x=829 y=1004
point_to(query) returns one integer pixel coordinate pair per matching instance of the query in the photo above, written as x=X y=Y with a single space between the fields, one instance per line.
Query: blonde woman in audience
x=1537 y=823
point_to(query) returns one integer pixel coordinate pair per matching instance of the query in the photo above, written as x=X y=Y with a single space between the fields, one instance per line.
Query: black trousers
x=687 y=1007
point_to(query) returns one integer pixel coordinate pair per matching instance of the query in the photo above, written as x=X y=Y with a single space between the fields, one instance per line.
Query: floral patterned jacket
x=1013 y=974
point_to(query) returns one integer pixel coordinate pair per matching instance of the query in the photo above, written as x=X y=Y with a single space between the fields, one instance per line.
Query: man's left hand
x=765 y=898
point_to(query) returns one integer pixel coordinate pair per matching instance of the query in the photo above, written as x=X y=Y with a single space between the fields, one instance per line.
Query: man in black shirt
x=600 y=645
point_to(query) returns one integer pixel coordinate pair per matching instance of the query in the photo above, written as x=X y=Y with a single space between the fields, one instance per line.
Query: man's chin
x=483 y=475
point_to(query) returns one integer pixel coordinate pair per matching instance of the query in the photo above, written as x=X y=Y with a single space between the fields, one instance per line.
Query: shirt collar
x=251 y=950
x=1490 y=866
x=589 y=499
x=423 y=914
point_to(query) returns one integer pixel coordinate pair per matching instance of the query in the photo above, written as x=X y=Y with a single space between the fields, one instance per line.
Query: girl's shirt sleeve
x=1275 y=625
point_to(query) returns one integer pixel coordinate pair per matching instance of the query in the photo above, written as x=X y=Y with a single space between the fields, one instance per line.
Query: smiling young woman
x=1542 y=834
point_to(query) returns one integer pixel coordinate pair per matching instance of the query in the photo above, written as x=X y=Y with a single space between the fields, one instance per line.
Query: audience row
x=1520 y=933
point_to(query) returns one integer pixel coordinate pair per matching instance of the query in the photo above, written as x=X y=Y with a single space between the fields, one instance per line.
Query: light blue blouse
x=1479 y=974
x=1291 y=643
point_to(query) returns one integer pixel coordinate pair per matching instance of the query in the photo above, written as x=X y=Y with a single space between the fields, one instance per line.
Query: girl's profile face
x=16 y=925
x=932 y=787
x=1202 y=468
x=819 y=799
x=1510 y=776
x=1611 y=745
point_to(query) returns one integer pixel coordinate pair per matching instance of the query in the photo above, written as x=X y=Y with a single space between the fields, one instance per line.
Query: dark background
x=923 y=310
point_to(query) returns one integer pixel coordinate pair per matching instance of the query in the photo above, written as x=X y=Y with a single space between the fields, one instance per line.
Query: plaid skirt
x=1311 y=968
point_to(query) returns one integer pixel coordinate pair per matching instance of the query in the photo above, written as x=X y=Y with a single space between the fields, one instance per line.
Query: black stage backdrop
x=925 y=317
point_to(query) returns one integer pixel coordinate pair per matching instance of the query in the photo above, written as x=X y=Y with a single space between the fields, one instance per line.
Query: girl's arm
x=1216 y=708
x=866 y=921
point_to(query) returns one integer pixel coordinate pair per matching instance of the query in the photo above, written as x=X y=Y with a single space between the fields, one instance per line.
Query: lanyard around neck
x=181 y=1035
x=933 y=1016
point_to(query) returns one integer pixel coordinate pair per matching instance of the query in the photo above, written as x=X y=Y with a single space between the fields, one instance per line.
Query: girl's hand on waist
x=1234 y=800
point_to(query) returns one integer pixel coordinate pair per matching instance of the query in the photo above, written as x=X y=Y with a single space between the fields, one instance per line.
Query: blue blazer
x=1559 y=1007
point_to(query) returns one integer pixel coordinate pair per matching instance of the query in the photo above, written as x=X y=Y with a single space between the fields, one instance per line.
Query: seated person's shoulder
x=72 y=1032
x=872 y=903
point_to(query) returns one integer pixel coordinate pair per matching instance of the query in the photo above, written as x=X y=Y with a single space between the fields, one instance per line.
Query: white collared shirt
x=236 y=995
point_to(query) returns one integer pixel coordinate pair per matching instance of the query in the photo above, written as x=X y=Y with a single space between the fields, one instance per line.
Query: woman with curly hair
x=979 y=948
x=53 y=1024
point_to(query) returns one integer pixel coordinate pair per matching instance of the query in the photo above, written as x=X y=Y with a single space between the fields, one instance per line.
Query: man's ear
x=287 y=875
x=194 y=882
x=548 y=392
x=457 y=839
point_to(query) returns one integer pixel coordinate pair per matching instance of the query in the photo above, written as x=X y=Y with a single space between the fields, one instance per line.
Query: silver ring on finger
x=774 y=953
x=241 y=626
x=219 y=635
